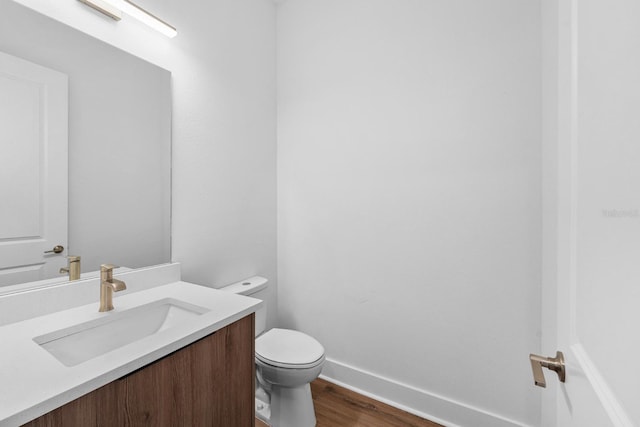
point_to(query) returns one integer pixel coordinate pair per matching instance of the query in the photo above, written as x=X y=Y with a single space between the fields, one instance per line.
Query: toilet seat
x=286 y=348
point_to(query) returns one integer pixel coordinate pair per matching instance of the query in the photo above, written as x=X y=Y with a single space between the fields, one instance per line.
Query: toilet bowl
x=286 y=362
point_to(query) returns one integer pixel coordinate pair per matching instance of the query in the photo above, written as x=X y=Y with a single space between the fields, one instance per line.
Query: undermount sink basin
x=84 y=341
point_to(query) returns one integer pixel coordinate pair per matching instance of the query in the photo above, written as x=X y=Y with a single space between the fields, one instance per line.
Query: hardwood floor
x=338 y=407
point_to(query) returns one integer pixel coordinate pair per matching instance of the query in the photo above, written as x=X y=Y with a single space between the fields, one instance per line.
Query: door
x=33 y=170
x=593 y=230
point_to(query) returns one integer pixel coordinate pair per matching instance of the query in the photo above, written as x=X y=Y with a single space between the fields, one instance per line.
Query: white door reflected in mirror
x=33 y=170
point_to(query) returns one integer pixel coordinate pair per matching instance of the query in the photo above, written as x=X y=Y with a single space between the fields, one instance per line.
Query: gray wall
x=224 y=223
x=119 y=140
x=409 y=198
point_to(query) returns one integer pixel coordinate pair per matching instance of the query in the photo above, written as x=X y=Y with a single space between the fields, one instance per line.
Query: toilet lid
x=280 y=347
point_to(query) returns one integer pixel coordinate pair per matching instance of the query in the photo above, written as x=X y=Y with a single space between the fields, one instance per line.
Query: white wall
x=409 y=211
x=223 y=75
x=224 y=218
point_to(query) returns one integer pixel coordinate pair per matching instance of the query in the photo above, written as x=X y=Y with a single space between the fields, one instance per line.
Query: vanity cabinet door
x=208 y=383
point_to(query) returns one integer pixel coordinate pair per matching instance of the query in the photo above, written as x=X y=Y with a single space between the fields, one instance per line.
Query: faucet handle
x=73 y=258
x=107 y=267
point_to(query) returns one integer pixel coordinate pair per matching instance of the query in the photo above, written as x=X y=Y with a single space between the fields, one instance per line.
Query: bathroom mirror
x=119 y=146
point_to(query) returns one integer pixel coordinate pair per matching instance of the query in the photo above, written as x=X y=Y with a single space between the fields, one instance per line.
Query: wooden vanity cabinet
x=209 y=383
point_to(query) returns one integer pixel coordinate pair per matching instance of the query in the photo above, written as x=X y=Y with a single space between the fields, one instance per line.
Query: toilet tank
x=253 y=287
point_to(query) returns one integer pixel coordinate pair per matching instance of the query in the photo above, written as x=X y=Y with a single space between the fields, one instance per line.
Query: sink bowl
x=84 y=341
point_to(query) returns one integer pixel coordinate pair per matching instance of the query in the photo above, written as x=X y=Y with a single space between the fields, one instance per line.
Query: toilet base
x=263 y=411
x=290 y=407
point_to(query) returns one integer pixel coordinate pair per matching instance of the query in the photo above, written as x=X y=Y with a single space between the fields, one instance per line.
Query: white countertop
x=33 y=382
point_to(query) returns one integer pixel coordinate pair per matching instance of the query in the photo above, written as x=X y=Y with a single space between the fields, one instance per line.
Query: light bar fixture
x=135 y=11
x=115 y=8
x=104 y=7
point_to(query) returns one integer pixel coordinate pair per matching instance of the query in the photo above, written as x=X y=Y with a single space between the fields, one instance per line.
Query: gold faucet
x=108 y=285
x=73 y=269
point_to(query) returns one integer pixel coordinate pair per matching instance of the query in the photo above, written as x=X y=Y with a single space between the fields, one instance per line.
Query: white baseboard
x=419 y=402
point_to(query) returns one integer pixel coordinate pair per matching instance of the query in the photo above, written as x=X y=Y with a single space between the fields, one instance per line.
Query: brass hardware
x=553 y=363
x=108 y=285
x=73 y=269
x=56 y=250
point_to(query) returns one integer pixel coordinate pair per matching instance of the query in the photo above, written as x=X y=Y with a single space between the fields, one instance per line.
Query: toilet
x=286 y=362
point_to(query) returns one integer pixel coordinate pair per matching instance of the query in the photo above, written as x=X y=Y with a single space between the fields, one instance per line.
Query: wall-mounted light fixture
x=104 y=7
x=114 y=9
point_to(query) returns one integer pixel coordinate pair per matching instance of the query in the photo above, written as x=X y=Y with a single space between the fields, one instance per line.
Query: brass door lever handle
x=553 y=363
x=56 y=250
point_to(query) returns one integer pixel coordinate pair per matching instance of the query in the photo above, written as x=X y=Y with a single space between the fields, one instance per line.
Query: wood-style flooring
x=338 y=407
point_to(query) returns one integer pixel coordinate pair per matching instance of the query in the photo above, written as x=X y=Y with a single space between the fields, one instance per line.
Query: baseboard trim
x=411 y=399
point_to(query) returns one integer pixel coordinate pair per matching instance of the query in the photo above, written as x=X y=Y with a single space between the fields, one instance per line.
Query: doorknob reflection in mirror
x=553 y=363
x=56 y=250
